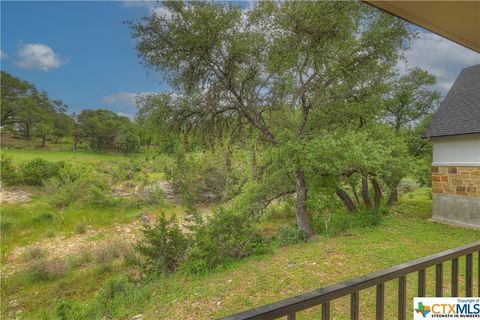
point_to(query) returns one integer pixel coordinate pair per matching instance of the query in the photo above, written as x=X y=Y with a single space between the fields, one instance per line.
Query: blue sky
x=82 y=52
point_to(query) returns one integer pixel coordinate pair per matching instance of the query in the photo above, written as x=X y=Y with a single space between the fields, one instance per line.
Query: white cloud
x=152 y=6
x=128 y=115
x=37 y=56
x=3 y=55
x=441 y=57
x=124 y=98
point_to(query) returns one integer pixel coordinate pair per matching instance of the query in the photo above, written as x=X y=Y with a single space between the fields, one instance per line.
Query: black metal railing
x=290 y=307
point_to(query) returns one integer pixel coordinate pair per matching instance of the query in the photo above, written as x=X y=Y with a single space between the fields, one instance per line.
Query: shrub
x=148 y=196
x=291 y=235
x=407 y=185
x=35 y=253
x=203 y=177
x=114 y=287
x=36 y=171
x=226 y=237
x=79 y=182
x=45 y=217
x=164 y=247
x=67 y=309
x=44 y=269
x=80 y=228
x=8 y=172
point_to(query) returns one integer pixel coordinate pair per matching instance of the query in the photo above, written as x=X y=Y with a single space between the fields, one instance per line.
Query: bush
x=35 y=253
x=148 y=196
x=44 y=269
x=226 y=237
x=36 y=171
x=45 y=217
x=291 y=235
x=114 y=288
x=164 y=247
x=79 y=182
x=67 y=309
x=8 y=172
x=407 y=185
x=80 y=228
x=203 y=177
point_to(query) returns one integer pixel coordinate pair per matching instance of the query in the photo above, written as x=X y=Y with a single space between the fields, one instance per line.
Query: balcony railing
x=291 y=306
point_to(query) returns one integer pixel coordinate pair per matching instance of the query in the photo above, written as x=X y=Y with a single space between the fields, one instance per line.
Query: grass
x=21 y=155
x=404 y=235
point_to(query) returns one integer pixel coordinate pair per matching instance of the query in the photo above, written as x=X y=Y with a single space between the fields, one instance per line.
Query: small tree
x=164 y=247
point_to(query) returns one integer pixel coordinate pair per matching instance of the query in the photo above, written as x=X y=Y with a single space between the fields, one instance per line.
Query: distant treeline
x=28 y=113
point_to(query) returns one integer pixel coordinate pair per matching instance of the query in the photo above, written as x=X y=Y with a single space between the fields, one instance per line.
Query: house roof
x=458 y=21
x=459 y=113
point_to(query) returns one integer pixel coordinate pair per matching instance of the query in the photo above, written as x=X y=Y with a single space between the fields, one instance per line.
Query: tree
x=288 y=70
x=28 y=111
x=106 y=131
x=410 y=99
x=409 y=102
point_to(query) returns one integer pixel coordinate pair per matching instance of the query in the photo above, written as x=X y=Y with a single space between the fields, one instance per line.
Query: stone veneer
x=464 y=181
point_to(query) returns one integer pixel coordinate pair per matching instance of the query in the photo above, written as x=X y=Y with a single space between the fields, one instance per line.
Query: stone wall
x=463 y=181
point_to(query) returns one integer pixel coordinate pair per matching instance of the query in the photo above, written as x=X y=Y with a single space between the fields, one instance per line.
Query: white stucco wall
x=460 y=150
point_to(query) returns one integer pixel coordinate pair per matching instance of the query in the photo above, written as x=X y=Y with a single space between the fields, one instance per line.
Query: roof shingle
x=459 y=113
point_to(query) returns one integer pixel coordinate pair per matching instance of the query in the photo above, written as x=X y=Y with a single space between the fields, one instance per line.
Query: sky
x=83 y=53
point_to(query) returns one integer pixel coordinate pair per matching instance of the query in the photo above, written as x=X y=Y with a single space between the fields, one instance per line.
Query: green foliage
x=29 y=112
x=80 y=228
x=224 y=238
x=44 y=269
x=8 y=171
x=37 y=171
x=334 y=223
x=200 y=176
x=290 y=234
x=79 y=182
x=67 y=310
x=107 y=131
x=164 y=247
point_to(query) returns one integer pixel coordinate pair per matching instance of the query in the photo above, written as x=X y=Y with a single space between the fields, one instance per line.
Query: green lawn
x=404 y=235
x=21 y=155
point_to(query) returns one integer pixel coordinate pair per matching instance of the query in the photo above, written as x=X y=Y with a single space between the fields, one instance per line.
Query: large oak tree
x=290 y=70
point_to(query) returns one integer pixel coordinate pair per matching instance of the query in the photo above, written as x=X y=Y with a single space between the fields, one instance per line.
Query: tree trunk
x=44 y=140
x=393 y=197
x=355 y=194
x=254 y=164
x=301 y=203
x=378 y=192
x=228 y=159
x=75 y=142
x=27 y=130
x=347 y=201
x=365 y=195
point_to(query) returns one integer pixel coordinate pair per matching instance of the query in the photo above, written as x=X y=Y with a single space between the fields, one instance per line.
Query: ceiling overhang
x=458 y=21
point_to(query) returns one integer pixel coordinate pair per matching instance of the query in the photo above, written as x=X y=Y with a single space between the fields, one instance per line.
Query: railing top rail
x=317 y=297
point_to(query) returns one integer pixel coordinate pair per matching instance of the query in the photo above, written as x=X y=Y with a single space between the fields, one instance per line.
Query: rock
x=13 y=303
x=138 y=317
x=127 y=230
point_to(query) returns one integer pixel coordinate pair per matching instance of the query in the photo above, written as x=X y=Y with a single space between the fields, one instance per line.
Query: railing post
x=468 y=275
x=380 y=301
x=291 y=316
x=455 y=277
x=354 y=306
x=439 y=280
x=326 y=311
x=421 y=283
x=402 y=297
